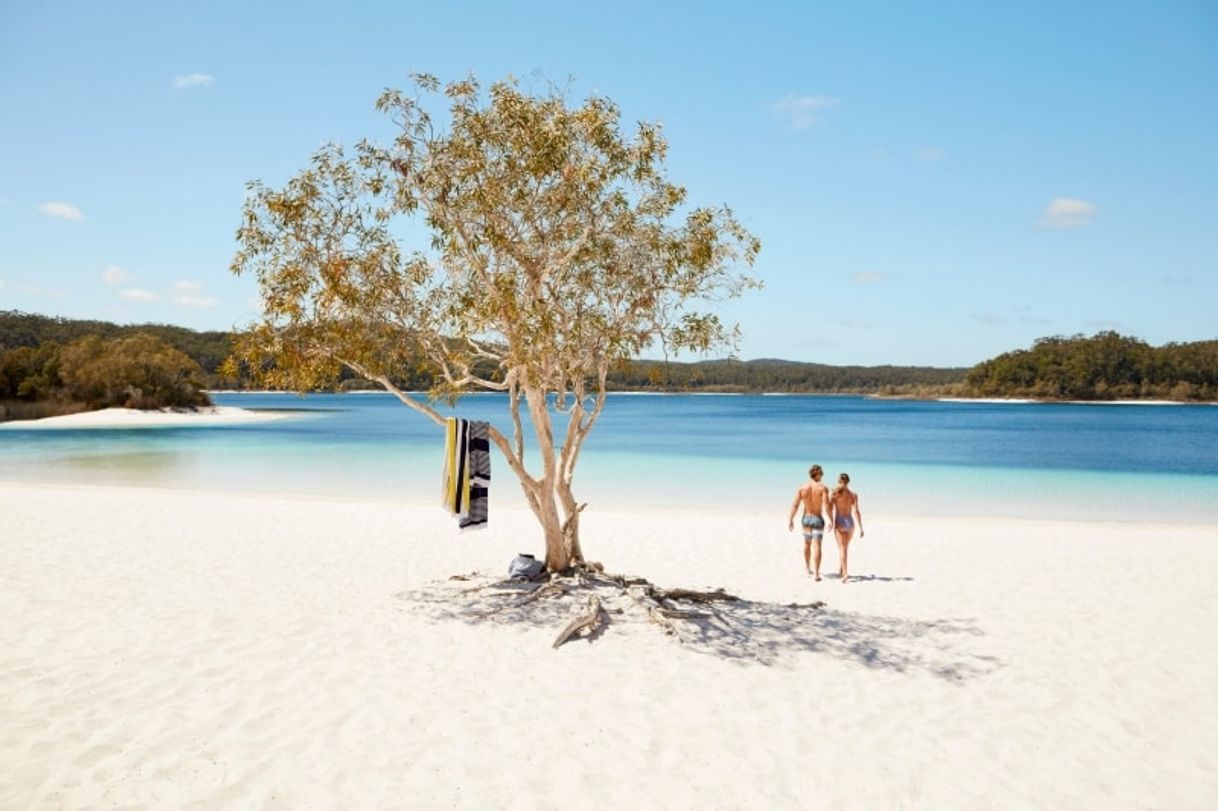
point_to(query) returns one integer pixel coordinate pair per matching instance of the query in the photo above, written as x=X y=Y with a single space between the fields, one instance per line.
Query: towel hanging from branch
x=467 y=471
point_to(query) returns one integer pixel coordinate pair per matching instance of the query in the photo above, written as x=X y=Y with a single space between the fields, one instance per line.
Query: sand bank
x=163 y=418
x=167 y=649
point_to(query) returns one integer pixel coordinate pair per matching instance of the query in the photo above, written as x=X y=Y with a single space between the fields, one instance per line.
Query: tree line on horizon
x=1105 y=366
x=56 y=365
x=128 y=369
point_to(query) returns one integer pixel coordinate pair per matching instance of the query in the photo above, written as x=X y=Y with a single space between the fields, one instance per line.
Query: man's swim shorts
x=814 y=527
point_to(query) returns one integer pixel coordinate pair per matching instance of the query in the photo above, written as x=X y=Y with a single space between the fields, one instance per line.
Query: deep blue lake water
x=715 y=452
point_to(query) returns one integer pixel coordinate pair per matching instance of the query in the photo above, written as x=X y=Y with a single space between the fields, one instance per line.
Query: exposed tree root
x=700 y=617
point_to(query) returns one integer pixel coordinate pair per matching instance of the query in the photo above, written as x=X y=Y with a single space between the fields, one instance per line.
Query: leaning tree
x=549 y=246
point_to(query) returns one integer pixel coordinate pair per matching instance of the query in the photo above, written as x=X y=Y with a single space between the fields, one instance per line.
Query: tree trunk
x=562 y=547
x=557 y=556
x=560 y=528
x=549 y=497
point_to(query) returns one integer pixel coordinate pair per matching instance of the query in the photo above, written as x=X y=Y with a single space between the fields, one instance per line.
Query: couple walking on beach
x=838 y=508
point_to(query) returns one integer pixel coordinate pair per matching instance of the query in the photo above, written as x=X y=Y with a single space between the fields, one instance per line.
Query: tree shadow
x=741 y=631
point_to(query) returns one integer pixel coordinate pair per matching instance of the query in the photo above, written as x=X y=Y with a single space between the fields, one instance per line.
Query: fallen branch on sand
x=590 y=620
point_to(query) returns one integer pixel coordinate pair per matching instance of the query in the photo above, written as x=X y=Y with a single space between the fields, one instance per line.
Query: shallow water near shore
x=705 y=452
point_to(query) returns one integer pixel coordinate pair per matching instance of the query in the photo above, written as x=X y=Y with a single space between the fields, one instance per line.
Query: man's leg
x=816 y=559
x=808 y=554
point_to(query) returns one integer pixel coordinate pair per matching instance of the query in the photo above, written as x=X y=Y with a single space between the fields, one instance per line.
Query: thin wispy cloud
x=1027 y=315
x=815 y=343
x=1067 y=212
x=139 y=294
x=1172 y=281
x=989 y=319
x=1108 y=326
x=801 y=112
x=855 y=323
x=185 y=80
x=42 y=292
x=868 y=277
x=930 y=154
x=62 y=211
x=190 y=294
x=114 y=276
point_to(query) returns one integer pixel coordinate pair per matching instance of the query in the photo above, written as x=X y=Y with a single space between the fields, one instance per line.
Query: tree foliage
x=557 y=249
x=1104 y=366
x=135 y=371
x=209 y=349
x=138 y=371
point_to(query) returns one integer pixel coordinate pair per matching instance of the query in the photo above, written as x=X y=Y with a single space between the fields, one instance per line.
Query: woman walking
x=844 y=511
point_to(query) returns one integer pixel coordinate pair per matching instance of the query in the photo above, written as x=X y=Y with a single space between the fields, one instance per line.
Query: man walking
x=814 y=498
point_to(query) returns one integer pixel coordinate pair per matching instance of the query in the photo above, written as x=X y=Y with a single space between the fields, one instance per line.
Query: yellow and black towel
x=467 y=471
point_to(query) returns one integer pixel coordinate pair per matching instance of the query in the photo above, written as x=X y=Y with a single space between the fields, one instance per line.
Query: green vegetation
x=208 y=349
x=137 y=370
x=785 y=376
x=1106 y=366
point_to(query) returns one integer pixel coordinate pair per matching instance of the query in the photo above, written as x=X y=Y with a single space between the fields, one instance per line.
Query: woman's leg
x=843 y=545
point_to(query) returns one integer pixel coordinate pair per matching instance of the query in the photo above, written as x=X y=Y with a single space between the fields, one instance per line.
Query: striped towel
x=478 y=464
x=467 y=471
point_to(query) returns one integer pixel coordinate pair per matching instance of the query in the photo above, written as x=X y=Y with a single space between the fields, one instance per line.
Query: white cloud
x=1067 y=212
x=868 y=277
x=184 y=80
x=190 y=294
x=138 y=294
x=64 y=211
x=113 y=275
x=851 y=322
x=930 y=154
x=801 y=111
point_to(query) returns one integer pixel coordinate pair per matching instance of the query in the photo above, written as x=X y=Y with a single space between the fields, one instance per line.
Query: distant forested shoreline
x=56 y=365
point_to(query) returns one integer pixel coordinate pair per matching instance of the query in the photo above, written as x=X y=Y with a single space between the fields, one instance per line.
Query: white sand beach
x=158 y=418
x=173 y=649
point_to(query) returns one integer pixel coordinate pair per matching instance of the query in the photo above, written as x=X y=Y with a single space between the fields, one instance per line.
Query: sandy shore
x=167 y=649
x=134 y=418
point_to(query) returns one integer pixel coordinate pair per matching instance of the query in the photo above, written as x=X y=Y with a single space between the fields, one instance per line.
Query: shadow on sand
x=744 y=631
x=870 y=578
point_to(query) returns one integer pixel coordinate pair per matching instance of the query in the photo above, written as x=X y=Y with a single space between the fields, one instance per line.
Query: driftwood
x=590 y=619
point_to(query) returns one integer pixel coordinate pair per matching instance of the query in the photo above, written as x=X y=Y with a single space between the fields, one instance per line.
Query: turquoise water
x=713 y=452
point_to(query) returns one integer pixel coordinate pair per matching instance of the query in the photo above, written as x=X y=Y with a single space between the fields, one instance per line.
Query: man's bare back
x=813 y=496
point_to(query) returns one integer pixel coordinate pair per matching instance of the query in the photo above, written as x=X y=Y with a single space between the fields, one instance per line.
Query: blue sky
x=933 y=183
